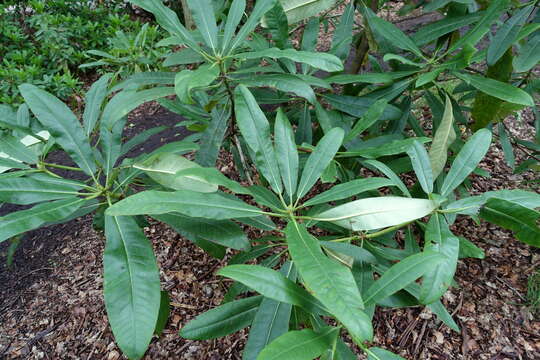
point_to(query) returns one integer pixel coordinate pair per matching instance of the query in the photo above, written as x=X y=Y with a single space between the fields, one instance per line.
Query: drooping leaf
x=62 y=124
x=300 y=345
x=331 y=283
x=222 y=320
x=377 y=213
x=466 y=161
x=130 y=285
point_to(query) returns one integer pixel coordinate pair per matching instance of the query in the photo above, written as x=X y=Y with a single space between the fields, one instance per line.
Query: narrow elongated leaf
x=357 y=106
x=222 y=232
x=445 y=135
x=298 y=10
x=28 y=190
x=465 y=162
x=222 y=320
x=287 y=155
x=187 y=81
x=509 y=215
x=376 y=353
x=164 y=311
x=300 y=345
x=529 y=55
x=273 y=285
x=25 y=220
x=271 y=321
x=140 y=138
x=358 y=254
x=392 y=147
x=94 y=100
x=369 y=78
x=130 y=285
x=391 y=33
x=421 y=165
x=399 y=275
x=260 y=8
x=377 y=213
x=62 y=124
x=210 y=205
x=212 y=137
x=203 y=14
x=507 y=34
x=497 y=89
x=372 y=115
x=283 y=82
x=433 y=31
x=331 y=283
x=319 y=159
x=236 y=11
x=348 y=189
x=390 y=174
x=141 y=79
x=323 y=61
x=506 y=146
x=256 y=131
x=439 y=239
x=14 y=148
x=343 y=35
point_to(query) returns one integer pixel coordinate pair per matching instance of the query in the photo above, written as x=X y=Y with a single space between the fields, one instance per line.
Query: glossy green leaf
x=323 y=61
x=62 y=124
x=130 y=285
x=445 y=135
x=273 y=285
x=466 y=160
x=222 y=320
x=28 y=190
x=203 y=14
x=300 y=345
x=286 y=153
x=497 y=89
x=421 y=165
x=509 y=215
x=377 y=213
x=507 y=35
x=207 y=205
x=319 y=159
x=399 y=275
x=22 y=221
x=256 y=131
x=348 y=189
x=330 y=282
x=94 y=101
x=439 y=239
x=236 y=11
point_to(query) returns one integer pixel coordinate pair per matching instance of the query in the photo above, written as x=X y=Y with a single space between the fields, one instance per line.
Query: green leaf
x=28 y=190
x=214 y=176
x=399 y=275
x=187 y=81
x=168 y=20
x=378 y=212
x=207 y=205
x=298 y=10
x=260 y=8
x=343 y=35
x=529 y=55
x=439 y=239
x=495 y=9
x=372 y=115
x=62 y=124
x=506 y=146
x=236 y=11
x=130 y=285
x=163 y=169
x=14 y=148
x=273 y=285
x=142 y=79
x=182 y=57
x=466 y=160
x=323 y=61
x=203 y=14
x=319 y=159
x=358 y=254
x=391 y=33
x=468 y=250
x=22 y=221
x=212 y=137
x=507 y=35
x=390 y=174
x=509 y=215
x=330 y=282
x=433 y=31
x=300 y=345
x=94 y=100
x=393 y=147
x=222 y=320
x=376 y=353
x=223 y=232
x=421 y=165
x=369 y=78
x=140 y=138
x=349 y=189
x=445 y=135
x=497 y=89
x=286 y=153
x=283 y=82
x=271 y=320
x=256 y=131
x=164 y=311
x=357 y=106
